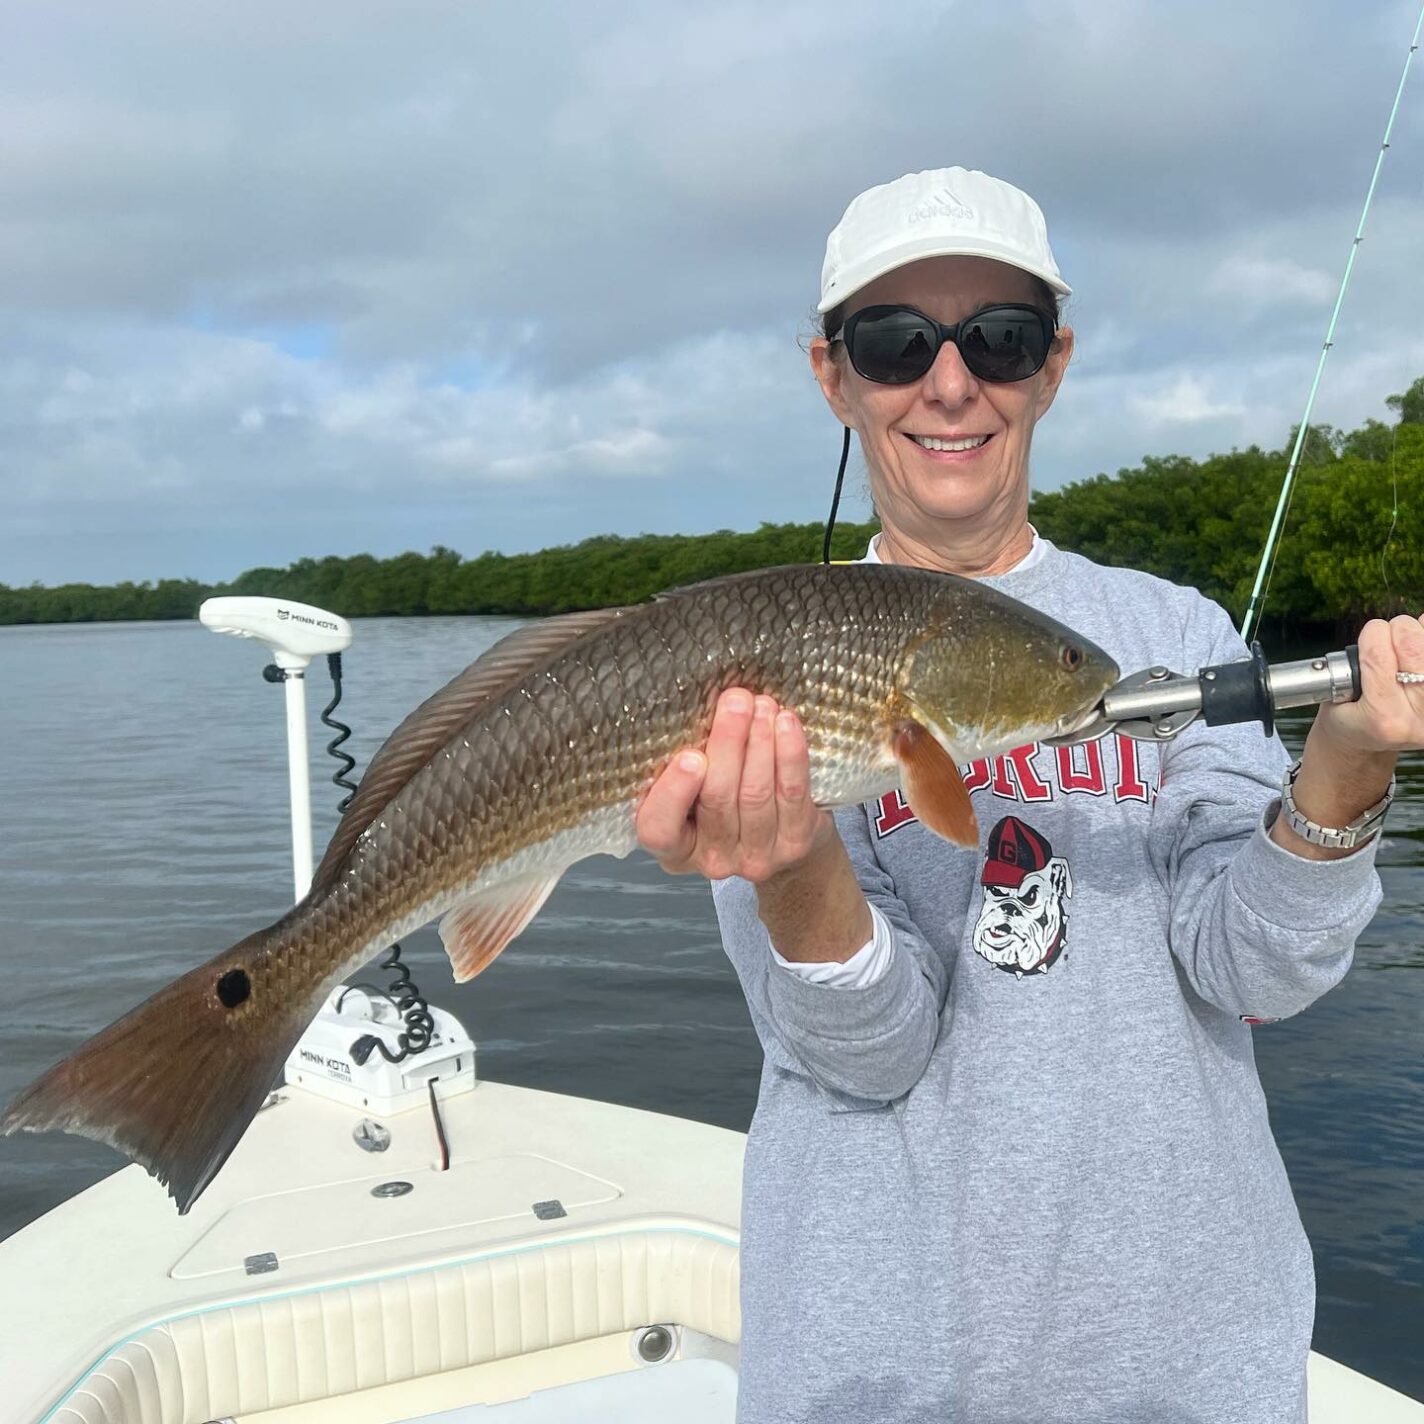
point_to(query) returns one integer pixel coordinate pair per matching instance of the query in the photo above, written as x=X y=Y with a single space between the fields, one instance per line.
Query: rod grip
x=1353 y=653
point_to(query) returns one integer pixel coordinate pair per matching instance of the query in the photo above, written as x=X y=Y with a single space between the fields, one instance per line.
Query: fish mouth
x=1085 y=725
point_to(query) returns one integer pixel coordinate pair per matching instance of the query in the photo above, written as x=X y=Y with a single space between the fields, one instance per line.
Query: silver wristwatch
x=1342 y=838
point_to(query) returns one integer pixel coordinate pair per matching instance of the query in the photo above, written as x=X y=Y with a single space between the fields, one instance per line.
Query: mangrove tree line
x=1354 y=545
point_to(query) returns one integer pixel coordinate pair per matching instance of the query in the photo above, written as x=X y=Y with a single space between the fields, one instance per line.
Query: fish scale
x=534 y=758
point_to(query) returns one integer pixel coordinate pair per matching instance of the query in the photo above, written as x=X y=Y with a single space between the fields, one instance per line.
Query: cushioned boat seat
x=295 y=1348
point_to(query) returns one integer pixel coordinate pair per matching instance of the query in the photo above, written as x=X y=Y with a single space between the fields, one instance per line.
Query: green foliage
x=1200 y=522
x=598 y=572
x=1204 y=522
x=1410 y=405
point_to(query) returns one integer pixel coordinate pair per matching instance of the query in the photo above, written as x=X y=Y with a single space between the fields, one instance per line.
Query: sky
x=287 y=280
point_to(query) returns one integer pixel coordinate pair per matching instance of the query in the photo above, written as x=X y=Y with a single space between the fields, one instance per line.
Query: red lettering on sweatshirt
x=1091 y=778
x=892 y=813
x=1015 y=778
x=1077 y=770
x=976 y=775
x=1129 y=785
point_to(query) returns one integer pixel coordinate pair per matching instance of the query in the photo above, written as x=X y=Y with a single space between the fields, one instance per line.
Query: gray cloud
x=284 y=280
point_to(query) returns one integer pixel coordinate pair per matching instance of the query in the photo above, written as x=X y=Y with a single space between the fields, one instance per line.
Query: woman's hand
x=742 y=808
x=1350 y=753
x=1389 y=715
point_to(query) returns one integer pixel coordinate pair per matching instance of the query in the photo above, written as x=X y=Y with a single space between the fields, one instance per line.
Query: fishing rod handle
x=1333 y=677
x=1254 y=690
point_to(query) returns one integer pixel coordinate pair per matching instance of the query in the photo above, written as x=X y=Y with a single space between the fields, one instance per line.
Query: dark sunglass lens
x=1004 y=346
x=894 y=348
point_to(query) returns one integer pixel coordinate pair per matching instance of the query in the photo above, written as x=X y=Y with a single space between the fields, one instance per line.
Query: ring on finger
x=1409 y=679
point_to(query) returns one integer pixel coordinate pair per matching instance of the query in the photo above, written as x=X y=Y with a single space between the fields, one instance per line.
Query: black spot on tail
x=175 y=1082
x=234 y=988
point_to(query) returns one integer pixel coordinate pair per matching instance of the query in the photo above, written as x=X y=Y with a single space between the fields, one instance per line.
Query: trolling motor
x=296 y=633
x=1155 y=704
x=395 y=1023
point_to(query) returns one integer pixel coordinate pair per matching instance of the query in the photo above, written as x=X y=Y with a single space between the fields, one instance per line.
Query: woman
x=1011 y=1159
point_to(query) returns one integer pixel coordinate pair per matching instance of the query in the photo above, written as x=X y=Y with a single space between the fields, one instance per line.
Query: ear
x=1055 y=368
x=829 y=371
x=1060 y=876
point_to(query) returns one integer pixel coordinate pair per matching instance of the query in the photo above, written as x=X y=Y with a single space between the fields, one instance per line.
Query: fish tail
x=176 y=1081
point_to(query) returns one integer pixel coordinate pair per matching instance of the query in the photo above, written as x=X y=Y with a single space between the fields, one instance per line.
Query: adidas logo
x=942 y=204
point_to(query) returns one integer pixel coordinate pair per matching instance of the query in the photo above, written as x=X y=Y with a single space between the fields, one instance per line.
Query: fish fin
x=441 y=715
x=475 y=931
x=175 y=1082
x=934 y=786
x=686 y=590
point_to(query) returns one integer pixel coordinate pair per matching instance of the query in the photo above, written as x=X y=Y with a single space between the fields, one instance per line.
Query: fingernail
x=786 y=722
x=738 y=702
x=765 y=706
x=690 y=761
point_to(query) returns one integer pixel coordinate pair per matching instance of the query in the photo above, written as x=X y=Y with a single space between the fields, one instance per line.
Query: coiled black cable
x=333 y=666
x=414 y=1011
x=403 y=992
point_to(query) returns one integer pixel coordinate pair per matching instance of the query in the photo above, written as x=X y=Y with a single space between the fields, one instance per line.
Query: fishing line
x=1257 y=600
x=1285 y=517
x=1394 y=511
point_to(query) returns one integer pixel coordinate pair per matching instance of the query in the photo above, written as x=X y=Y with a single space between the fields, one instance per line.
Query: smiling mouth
x=931 y=442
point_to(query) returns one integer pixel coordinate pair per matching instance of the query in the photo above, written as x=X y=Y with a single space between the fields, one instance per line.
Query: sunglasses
x=896 y=345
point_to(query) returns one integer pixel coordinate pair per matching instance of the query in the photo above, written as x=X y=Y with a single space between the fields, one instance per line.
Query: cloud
x=284 y=280
x=1262 y=281
x=1184 y=401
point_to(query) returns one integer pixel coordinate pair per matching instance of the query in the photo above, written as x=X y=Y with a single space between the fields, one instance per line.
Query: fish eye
x=1071 y=656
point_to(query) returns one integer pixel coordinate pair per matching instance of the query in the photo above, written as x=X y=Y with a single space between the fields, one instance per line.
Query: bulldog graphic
x=1023 y=925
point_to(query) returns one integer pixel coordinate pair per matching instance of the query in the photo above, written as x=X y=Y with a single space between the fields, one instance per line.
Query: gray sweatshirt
x=1026 y=1176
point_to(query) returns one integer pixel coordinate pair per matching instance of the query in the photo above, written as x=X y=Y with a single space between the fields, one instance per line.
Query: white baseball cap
x=938 y=213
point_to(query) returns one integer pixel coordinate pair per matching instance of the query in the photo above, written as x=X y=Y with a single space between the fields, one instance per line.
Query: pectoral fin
x=933 y=785
x=476 y=930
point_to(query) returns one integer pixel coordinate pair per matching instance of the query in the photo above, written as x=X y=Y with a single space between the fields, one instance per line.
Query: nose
x=949 y=381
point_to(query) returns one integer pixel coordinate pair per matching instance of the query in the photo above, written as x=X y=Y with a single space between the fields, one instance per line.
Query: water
x=143 y=779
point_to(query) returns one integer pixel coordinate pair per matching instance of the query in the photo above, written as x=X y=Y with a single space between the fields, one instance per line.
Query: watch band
x=1348 y=837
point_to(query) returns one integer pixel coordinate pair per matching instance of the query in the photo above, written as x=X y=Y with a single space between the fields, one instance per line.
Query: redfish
x=535 y=757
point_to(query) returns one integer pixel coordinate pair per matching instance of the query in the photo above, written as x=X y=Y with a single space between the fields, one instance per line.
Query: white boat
x=399 y=1242
x=576 y=1261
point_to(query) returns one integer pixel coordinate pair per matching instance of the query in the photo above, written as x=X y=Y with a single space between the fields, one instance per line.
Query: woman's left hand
x=1350 y=753
x=1389 y=716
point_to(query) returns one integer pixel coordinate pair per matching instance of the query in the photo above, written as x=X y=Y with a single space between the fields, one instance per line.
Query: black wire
x=365 y=984
x=414 y=1010
x=403 y=993
x=333 y=666
x=836 y=498
x=439 y=1126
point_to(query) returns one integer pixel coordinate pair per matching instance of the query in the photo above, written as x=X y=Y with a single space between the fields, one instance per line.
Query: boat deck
x=518 y=1287
x=560 y=1223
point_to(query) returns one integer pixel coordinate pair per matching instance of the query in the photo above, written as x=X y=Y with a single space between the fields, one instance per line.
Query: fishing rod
x=1155 y=704
x=1268 y=554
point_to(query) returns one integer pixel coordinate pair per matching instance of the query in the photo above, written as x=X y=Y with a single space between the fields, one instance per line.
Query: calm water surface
x=143 y=779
